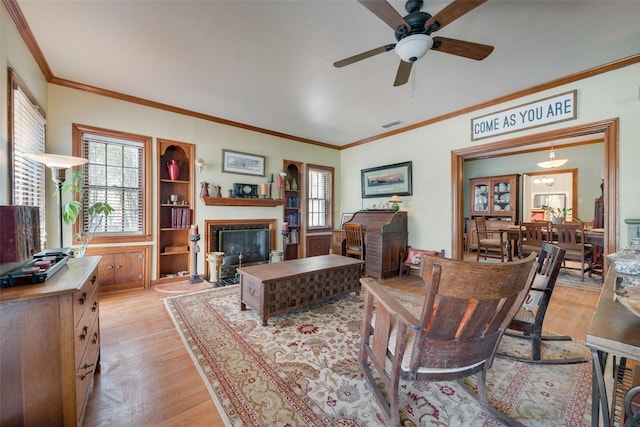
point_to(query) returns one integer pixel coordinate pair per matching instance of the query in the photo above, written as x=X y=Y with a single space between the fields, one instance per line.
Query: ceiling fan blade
x=402 y=76
x=386 y=13
x=450 y=13
x=462 y=48
x=363 y=55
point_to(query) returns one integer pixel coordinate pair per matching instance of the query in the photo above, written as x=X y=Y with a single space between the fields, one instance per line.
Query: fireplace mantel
x=238 y=201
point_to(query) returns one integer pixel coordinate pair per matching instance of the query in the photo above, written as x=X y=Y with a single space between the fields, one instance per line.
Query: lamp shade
x=395 y=199
x=413 y=47
x=552 y=162
x=56 y=160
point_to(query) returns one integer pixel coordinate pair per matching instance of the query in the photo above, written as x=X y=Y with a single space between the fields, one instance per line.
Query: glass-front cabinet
x=494 y=196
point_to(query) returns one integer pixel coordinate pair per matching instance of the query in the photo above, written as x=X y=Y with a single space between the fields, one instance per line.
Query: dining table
x=513 y=237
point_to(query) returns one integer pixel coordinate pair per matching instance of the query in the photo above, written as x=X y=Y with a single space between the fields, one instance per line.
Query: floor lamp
x=58 y=165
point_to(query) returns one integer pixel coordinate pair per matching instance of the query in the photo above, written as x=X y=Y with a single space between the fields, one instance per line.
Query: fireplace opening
x=243 y=243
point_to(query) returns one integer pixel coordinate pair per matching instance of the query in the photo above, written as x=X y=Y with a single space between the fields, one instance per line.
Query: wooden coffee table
x=283 y=287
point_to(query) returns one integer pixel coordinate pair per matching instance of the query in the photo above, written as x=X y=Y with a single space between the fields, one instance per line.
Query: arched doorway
x=607 y=130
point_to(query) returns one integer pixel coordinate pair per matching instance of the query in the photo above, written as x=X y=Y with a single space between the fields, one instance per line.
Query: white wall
x=14 y=54
x=68 y=106
x=611 y=95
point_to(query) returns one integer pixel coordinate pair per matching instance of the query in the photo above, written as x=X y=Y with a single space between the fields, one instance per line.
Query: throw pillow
x=414 y=256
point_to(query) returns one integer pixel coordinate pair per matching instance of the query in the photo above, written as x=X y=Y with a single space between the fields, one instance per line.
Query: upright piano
x=385 y=236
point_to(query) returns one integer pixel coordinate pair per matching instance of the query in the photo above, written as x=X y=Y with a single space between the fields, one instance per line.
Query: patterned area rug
x=302 y=370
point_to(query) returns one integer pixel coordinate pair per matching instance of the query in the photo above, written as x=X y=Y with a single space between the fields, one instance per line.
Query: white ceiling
x=268 y=63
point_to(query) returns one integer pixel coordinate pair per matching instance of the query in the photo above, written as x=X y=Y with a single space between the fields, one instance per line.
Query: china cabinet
x=494 y=196
x=176 y=191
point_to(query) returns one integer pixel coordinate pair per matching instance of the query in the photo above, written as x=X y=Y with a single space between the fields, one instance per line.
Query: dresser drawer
x=86 y=368
x=85 y=326
x=82 y=296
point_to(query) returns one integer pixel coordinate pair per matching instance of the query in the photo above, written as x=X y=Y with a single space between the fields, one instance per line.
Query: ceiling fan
x=413 y=34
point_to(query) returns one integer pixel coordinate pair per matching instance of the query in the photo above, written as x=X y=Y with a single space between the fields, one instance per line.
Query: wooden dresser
x=385 y=236
x=49 y=347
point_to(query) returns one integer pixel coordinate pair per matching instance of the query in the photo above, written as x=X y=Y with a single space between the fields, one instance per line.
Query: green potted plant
x=72 y=211
x=558 y=215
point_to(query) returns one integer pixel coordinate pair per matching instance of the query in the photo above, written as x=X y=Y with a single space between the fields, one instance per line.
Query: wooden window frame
x=329 y=215
x=15 y=155
x=78 y=131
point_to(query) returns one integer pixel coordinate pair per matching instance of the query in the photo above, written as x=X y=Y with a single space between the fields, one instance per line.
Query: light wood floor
x=147 y=377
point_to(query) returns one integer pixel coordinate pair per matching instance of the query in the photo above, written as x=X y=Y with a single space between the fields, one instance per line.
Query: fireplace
x=244 y=242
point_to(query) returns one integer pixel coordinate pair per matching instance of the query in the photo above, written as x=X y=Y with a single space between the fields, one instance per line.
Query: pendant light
x=552 y=162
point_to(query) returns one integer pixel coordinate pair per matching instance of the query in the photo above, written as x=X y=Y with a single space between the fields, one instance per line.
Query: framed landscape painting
x=242 y=163
x=386 y=181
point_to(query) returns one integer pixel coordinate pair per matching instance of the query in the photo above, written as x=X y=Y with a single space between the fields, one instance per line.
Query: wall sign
x=554 y=109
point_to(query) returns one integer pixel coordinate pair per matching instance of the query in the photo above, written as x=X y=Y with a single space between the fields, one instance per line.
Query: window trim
x=14 y=80
x=77 y=131
x=331 y=172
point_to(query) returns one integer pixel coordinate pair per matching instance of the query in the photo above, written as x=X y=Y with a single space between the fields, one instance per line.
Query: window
x=27 y=135
x=116 y=174
x=320 y=197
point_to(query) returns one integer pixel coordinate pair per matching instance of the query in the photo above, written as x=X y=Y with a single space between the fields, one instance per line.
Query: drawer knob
x=93 y=279
x=83 y=334
x=95 y=338
x=94 y=307
x=82 y=298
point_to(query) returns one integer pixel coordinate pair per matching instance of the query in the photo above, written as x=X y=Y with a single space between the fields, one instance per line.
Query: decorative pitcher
x=173 y=167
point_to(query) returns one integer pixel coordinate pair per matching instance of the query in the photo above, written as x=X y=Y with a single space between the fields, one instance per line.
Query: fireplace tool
x=194 y=237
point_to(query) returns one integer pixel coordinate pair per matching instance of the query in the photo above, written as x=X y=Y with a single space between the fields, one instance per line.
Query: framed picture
x=346 y=217
x=242 y=163
x=386 y=181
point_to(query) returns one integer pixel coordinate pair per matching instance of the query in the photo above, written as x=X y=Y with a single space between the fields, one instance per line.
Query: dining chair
x=533 y=236
x=463 y=312
x=529 y=320
x=570 y=237
x=354 y=240
x=492 y=242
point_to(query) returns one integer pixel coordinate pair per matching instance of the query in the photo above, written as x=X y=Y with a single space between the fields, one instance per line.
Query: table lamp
x=395 y=200
x=58 y=165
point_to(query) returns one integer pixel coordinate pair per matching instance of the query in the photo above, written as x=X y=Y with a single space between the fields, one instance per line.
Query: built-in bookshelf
x=176 y=192
x=293 y=212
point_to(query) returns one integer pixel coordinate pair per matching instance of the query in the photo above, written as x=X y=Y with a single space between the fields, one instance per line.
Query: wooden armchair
x=529 y=319
x=491 y=241
x=533 y=236
x=411 y=258
x=465 y=310
x=570 y=237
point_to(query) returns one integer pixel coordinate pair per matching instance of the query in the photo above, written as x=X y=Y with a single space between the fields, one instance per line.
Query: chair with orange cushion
x=463 y=313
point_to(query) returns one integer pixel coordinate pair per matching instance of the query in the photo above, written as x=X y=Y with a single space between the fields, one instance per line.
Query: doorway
x=606 y=130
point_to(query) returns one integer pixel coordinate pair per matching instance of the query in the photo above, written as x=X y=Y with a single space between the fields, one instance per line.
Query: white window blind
x=27 y=136
x=115 y=176
x=319 y=197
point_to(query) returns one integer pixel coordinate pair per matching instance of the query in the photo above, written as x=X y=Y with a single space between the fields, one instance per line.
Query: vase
x=204 y=189
x=294 y=184
x=173 y=167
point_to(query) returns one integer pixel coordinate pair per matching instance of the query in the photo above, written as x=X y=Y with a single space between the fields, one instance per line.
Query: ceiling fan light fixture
x=552 y=162
x=413 y=47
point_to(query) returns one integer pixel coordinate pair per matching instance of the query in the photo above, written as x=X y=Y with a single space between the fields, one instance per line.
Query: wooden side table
x=613 y=331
